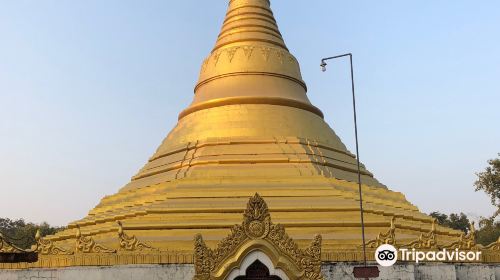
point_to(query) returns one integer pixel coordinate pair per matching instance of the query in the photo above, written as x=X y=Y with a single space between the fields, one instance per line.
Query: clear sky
x=88 y=90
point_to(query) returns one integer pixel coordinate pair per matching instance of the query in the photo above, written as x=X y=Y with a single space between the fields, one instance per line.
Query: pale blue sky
x=88 y=89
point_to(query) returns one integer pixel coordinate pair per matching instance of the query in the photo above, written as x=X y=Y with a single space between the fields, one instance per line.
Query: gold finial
x=78 y=232
x=120 y=227
x=38 y=235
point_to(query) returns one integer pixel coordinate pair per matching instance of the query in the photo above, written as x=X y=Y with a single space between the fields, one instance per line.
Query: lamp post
x=366 y=271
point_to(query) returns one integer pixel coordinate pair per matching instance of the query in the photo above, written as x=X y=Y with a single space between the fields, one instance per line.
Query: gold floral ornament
x=86 y=244
x=426 y=240
x=385 y=238
x=257 y=232
x=257 y=219
x=465 y=242
x=131 y=243
x=47 y=247
x=7 y=247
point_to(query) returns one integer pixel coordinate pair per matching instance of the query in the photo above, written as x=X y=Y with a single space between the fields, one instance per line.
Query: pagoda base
x=186 y=271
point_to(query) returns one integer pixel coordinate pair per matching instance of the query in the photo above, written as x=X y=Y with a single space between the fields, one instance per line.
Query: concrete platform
x=330 y=271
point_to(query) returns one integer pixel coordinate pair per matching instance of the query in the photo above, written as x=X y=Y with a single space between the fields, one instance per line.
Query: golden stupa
x=250 y=129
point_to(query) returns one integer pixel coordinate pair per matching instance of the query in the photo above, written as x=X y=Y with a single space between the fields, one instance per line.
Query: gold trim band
x=208 y=80
x=251 y=100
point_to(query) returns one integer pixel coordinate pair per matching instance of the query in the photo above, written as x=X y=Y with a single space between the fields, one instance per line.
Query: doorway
x=257 y=271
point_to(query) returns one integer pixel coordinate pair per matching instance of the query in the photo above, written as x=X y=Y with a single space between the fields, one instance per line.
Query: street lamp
x=364 y=272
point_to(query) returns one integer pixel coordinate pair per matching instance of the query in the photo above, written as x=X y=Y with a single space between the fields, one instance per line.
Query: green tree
x=22 y=234
x=460 y=222
x=454 y=221
x=489 y=182
x=488 y=232
x=442 y=219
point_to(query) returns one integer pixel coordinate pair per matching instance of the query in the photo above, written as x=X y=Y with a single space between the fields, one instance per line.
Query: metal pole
x=323 y=65
x=357 y=156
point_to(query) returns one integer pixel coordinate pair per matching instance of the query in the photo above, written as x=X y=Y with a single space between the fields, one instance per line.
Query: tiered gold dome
x=250 y=116
x=250 y=128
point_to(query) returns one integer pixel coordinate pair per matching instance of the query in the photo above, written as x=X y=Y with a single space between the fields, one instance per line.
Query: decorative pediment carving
x=465 y=242
x=86 y=244
x=257 y=232
x=131 y=243
x=495 y=246
x=47 y=247
x=385 y=238
x=426 y=240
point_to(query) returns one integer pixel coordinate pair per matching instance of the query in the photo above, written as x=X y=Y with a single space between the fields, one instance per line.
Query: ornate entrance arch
x=257 y=237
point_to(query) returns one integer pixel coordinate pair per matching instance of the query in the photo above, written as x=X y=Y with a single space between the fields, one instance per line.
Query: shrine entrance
x=257 y=271
x=257 y=249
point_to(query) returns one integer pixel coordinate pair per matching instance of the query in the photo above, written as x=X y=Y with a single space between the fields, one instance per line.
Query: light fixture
x=323 y=65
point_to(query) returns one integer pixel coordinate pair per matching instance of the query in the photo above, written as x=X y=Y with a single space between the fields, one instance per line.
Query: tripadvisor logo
x=387 y=255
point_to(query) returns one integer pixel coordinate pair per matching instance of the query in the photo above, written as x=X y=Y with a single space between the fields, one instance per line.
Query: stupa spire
x=250 y=64
x=250 y=21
